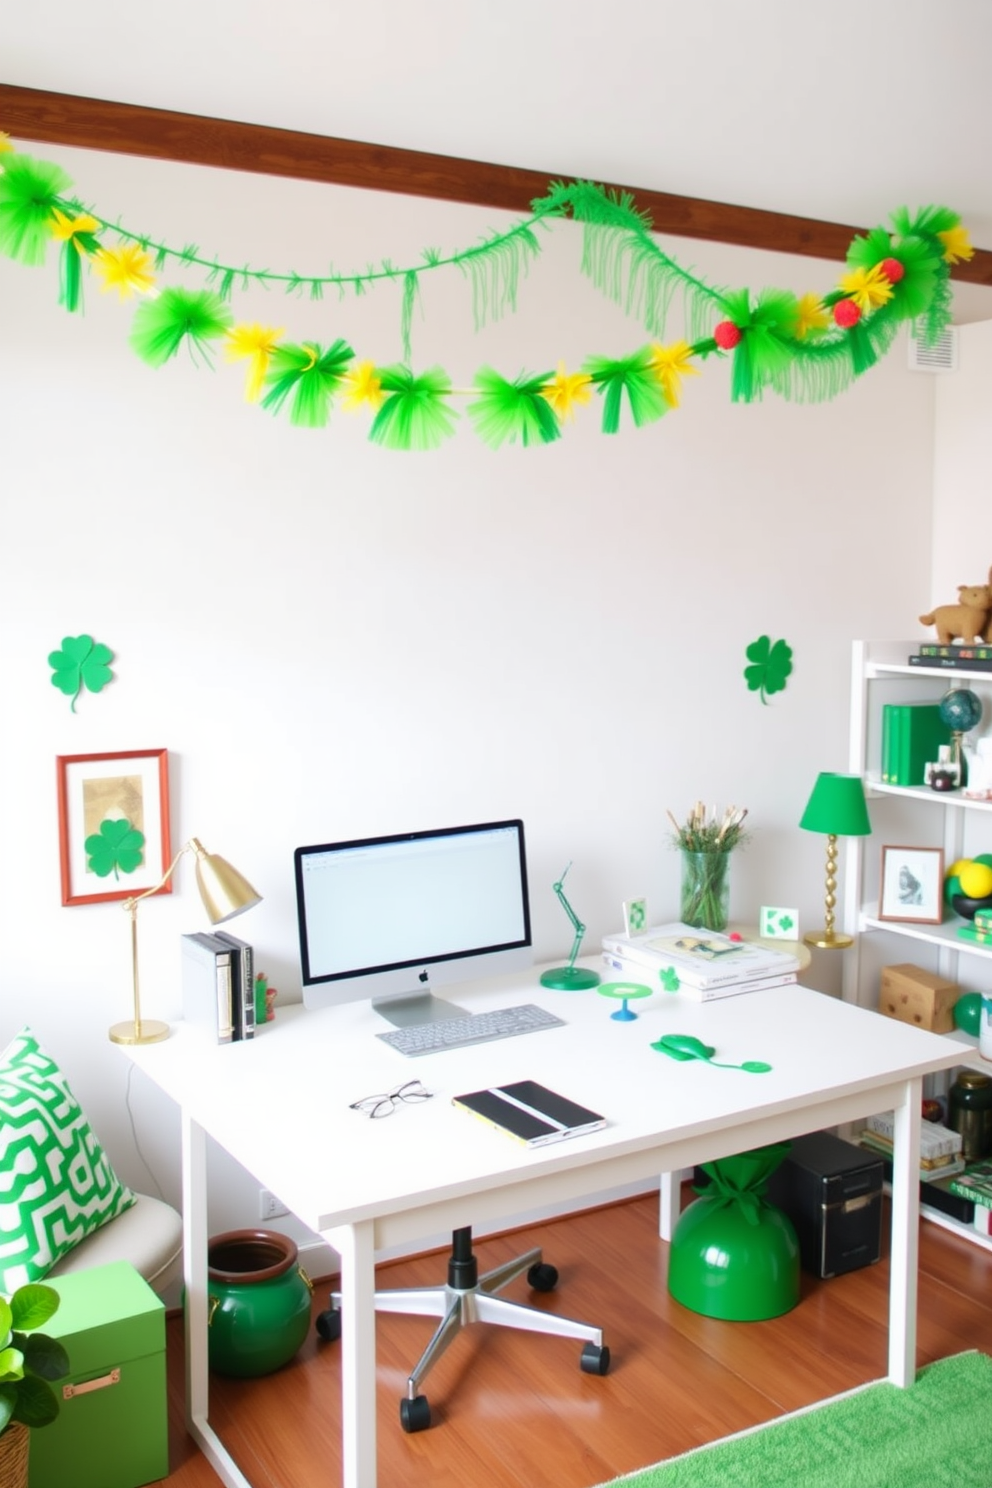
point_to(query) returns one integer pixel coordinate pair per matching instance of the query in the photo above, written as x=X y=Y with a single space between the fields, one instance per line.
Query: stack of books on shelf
x=940 y=1148
x=912 y=734
x=218 y=979
x=701 y=964
x=960 y=657
x=975 y=1183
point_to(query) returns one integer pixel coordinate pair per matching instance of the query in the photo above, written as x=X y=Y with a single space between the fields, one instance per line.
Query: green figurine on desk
x=570 y=978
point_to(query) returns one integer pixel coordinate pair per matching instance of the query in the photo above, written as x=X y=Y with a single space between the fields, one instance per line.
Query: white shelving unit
x=909 y=816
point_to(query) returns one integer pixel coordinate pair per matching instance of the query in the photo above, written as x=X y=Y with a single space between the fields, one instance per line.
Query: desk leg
x=195 y=1223
x=355 y=1244
x=905 y=1236
x=669 y=1191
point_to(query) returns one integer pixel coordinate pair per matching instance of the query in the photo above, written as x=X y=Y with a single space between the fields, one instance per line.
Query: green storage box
x=112 y=1430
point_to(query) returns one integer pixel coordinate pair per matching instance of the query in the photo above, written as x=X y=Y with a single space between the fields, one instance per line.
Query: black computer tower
x=832 y=1192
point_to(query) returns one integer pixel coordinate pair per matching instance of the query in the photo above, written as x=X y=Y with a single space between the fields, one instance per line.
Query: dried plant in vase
x=706 y=840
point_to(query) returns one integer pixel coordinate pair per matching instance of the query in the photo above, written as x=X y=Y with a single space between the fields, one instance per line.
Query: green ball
x=968 y=1012
x=952 y=886
x=983 y=858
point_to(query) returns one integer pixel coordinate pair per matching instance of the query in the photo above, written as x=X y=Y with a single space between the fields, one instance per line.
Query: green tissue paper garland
x=775 y=340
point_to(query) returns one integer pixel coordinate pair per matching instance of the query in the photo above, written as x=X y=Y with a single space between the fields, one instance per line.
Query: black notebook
x=531 y=1113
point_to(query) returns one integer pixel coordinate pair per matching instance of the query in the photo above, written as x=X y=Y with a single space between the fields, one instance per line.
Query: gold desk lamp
x=225 y=893
x=837 y=807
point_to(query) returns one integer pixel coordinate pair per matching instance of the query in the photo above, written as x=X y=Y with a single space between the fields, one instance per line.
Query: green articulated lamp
x=570 y=978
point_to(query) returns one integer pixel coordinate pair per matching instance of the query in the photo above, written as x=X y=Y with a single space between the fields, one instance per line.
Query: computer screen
x=389 y=918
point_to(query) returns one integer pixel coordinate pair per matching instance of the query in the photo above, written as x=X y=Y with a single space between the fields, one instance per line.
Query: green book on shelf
x=912 y=734
x=974 y=1183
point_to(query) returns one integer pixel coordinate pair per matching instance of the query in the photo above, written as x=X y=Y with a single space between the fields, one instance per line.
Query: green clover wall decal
x=117 y=848
x=770 y=666
x=82 y=662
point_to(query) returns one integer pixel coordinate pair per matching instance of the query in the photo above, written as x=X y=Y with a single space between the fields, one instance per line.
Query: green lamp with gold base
x=837 y=808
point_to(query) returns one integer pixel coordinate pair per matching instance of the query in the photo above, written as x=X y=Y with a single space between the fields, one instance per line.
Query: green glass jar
x=970 y=1113
x=705 y=890
x=259 y=1302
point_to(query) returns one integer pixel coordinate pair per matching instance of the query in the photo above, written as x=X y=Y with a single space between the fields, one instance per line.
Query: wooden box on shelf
x=913 y=995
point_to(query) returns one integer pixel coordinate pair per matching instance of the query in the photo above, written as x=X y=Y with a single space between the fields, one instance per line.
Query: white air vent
x=942 y=356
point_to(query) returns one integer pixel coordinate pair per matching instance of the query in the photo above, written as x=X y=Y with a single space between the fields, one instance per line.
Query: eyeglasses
x=378 y=1106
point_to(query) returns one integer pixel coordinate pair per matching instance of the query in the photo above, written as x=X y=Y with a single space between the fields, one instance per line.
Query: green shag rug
x=935 y=1434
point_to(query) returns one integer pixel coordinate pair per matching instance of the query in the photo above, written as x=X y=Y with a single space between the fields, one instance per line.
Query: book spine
x=248 y=991
x=975 y=653
x=891 y=732
x=953 y=663
x=225 y=992
x=966 y=1190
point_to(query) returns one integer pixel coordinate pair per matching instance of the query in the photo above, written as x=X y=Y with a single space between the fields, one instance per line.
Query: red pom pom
x=727 y=335
x=846 y=314
x=735 y=935
x=893 y=270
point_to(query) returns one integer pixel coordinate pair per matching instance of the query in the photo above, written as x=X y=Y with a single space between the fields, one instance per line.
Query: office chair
x=466 y=1298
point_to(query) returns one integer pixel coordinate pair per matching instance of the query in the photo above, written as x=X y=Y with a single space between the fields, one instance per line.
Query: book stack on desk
x=218 y=979
x=705 y=965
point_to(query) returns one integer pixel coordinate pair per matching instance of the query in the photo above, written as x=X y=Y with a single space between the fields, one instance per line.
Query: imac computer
x=386 y=919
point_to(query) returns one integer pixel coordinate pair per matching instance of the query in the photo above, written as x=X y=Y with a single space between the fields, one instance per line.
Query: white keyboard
x=474 y=1028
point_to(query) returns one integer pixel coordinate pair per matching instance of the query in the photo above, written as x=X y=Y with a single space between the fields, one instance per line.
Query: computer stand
x=466 y=1298
x=411 y=1009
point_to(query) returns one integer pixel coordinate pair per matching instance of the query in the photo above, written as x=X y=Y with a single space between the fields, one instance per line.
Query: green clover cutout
x=669 y=979
x=770 y=666
x=117 y=848
x=82 y=662
x=785 y=922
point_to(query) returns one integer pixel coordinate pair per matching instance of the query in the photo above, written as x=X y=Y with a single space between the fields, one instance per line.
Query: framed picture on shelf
x=113 y=824
x=912 y=882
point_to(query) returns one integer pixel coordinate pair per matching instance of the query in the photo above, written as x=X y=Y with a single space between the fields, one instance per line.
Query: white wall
x=962 y=514
x=332 y=640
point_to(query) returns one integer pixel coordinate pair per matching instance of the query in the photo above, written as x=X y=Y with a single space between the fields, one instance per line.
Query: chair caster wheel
x=328 y=1325
x=415 y=1414
x=595 y=1359
x=542 y=1277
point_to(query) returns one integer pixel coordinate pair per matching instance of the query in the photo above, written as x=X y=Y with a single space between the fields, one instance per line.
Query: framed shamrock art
x=113 y=824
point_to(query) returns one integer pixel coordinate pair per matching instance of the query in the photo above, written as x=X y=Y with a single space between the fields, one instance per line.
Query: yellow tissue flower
x=868 y=288
x=126 y=269
x=65 y=228
x=257 y=343
x=566 y=390
x=957 y=244
x=363 y=387
x=670 y=364
x=810 y=317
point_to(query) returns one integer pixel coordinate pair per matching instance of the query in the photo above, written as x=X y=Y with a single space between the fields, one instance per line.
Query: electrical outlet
x=269 y=1207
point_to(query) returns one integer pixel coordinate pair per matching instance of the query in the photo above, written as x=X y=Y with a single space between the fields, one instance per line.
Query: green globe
x=960 y=710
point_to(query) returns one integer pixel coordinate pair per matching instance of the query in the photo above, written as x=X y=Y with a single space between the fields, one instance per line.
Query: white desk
x=279 y=1105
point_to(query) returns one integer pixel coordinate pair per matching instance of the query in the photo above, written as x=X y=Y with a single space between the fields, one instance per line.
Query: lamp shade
x=224 y=891
x=837 y=806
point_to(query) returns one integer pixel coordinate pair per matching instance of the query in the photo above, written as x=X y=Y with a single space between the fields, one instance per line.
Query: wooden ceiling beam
x=160 y=134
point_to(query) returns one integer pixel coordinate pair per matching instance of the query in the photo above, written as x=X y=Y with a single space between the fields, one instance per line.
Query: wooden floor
x=513 y=1410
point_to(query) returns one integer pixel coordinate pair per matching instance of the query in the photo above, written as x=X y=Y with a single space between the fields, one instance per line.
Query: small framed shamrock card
x=113 y=824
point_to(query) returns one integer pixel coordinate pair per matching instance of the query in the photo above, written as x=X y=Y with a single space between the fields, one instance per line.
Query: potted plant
x=28 y=1360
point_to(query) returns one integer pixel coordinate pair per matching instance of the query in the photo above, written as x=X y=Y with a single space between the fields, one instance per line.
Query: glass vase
x=705 y=896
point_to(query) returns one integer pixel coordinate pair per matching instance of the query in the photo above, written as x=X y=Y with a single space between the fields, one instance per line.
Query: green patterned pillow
x=56 y=1184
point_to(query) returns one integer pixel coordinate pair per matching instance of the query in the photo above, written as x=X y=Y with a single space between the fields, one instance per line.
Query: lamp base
x=828 y=940
x=569 y=978
x=148 y=1031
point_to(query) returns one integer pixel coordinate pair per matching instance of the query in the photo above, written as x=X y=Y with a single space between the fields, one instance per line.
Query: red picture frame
x=130 y=783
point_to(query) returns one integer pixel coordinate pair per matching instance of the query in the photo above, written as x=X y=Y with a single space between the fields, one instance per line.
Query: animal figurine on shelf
x=968 y=620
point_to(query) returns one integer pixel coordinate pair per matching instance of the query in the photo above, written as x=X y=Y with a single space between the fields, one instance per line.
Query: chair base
x=466 y=1298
